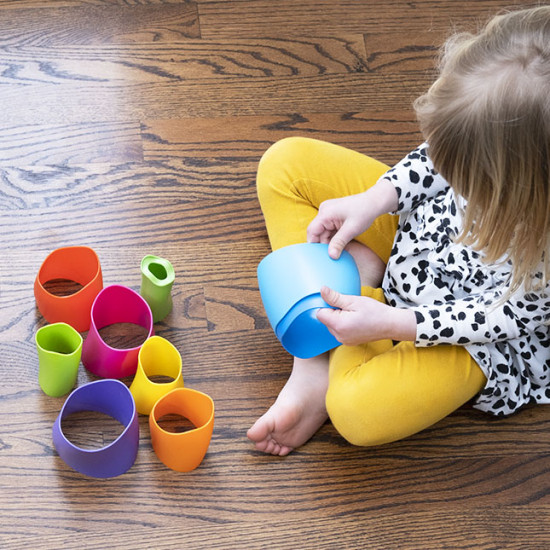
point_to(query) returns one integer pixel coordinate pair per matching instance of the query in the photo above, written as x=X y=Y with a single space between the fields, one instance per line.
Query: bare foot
x=298 y=412
x=371 y=267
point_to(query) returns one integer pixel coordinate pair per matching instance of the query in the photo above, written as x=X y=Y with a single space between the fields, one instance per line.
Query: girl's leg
x=377 y=393
x=377 y=399
x=296 y=174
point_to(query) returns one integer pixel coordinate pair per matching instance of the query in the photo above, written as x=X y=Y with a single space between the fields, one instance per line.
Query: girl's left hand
x=360 y=319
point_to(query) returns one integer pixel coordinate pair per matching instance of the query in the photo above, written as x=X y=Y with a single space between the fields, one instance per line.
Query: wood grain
x=136 y=127
x=256 y=17
x=98 y=23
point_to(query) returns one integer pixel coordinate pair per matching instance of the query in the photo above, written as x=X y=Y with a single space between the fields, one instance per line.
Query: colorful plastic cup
x=59 y=349
x=157 y=278
x=110 y=397
x=115 y=304
x=157 y=357
x=184 y=451
x=290 y=281
x=74 y=263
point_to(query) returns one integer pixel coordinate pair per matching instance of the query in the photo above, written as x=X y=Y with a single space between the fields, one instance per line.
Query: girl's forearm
x=383 y=197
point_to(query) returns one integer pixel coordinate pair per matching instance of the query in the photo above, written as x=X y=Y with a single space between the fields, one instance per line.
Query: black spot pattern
x=457 y=298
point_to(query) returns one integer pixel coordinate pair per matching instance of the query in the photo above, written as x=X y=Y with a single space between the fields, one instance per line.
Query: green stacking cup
x=157 y=278
x=59 y=348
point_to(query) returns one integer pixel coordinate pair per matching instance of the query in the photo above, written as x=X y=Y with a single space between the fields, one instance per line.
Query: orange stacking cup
x=74 y=263
x=184 y=451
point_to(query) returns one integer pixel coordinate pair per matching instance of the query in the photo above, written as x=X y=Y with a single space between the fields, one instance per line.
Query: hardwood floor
x=135 y=127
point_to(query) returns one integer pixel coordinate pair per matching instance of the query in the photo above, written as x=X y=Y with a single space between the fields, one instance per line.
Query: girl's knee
x=283 y=149
x=285 y=153
x=355 y=413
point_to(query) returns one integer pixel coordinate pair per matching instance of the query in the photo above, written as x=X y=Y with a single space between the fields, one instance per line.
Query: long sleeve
x=482 y=318
x=415 y=179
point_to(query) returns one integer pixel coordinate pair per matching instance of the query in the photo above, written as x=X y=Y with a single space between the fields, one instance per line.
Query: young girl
x=459 y=278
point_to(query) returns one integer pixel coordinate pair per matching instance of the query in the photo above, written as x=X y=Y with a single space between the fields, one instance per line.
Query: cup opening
x=91 y=430
x=123 y=335
x=161 y=379
x=62 y=287
x=160 y=360
x=53 y=339
x=158 y=270
x=175 y=423
x=307 y=337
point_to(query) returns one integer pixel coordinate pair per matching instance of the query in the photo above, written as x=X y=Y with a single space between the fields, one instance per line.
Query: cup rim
x=147 y=392
x=73 y=309
x=146 y=271
x=97 y=355
x=123 y=450
x=203 y=425
x=56 y=326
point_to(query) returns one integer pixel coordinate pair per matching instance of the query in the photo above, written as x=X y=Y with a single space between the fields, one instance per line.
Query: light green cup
x=157 y=278
x=59 y=348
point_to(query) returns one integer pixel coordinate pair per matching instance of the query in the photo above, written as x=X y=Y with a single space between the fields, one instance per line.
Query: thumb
x=335 y=299
x=328 y=316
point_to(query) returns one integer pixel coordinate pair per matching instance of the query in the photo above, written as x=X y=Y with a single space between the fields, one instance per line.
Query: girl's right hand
x=339 y=221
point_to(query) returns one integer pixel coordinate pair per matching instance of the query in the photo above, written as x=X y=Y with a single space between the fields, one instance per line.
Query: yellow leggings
x=378 y=392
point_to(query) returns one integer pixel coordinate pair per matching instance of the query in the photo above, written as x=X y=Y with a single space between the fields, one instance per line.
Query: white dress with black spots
x=457 y=298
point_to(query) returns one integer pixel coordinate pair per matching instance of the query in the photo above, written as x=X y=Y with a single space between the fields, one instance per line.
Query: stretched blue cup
x=290 y=281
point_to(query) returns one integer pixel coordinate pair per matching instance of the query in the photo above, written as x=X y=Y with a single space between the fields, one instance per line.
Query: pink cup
x=115 y=304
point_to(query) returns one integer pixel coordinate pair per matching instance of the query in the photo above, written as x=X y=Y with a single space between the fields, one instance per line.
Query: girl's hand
x=359 y=319
x=341 y=220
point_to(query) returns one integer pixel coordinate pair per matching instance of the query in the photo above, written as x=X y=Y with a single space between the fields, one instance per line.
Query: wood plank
x=399 y=52
x=39 y=4
x=383 y=135
x=454 y=527
x=179 y=61
x=213 y=221
x=233 y=308
x=326 y=17
x=180 y=181
x=100 y=142
x=353 y=92
x=104 y=23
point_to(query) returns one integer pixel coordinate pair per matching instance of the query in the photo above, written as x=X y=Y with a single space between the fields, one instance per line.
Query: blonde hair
x=487 y=122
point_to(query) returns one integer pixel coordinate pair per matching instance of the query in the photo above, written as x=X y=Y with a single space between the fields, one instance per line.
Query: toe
x=284 y=450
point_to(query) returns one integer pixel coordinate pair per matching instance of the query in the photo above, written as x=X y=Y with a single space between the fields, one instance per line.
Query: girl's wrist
x=402 y=325
x=384 y=195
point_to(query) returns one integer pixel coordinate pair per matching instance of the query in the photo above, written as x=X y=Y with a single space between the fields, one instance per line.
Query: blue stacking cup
x=290 y=281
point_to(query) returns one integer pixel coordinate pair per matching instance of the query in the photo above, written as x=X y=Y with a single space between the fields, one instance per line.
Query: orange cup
x=184 y=451
x=74 y=263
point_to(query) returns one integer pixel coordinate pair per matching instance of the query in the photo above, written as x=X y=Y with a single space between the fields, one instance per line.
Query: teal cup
x=157 y=278
x=59 y=348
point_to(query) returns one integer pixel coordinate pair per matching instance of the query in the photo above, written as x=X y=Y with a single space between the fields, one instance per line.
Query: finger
x=314 y=230
x=339 y=241
x=325 y=237
x=312 y=236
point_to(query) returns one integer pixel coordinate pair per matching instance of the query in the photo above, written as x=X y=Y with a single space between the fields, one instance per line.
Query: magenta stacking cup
x=290 y=281
x=115 y=304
